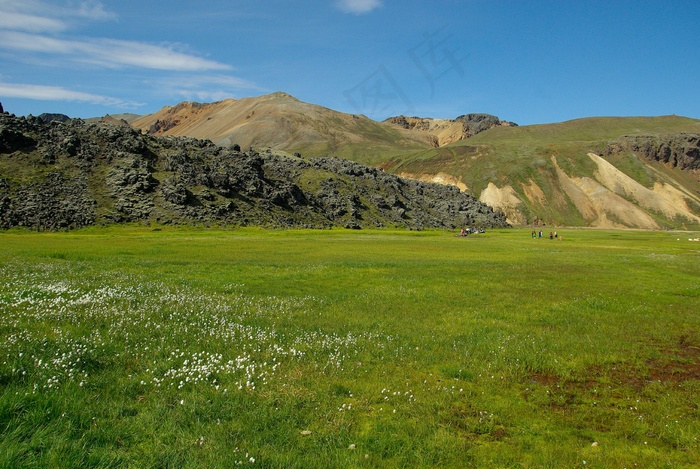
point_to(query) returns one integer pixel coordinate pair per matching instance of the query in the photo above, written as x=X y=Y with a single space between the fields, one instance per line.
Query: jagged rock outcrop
x=476 y=123
x=67 y=175
x=50 y=117
x=681 y=150
x=441 y=132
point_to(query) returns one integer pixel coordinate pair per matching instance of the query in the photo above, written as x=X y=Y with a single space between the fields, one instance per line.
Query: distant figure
x=463 y=232
x=540 y=233
x=1 y=110
x=551 y=235
x=534 y=234
x=556 y=235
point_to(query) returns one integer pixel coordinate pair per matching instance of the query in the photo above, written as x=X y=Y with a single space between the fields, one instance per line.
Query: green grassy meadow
x=138 y=347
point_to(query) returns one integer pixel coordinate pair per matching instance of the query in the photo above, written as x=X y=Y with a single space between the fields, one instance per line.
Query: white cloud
x=57 y=93
x=358 y=7
x=39 y=32
x=94 y=10
x=37 y=16
x=205 y=88
x=110 y=53
x=35 y=26
x=32 y=23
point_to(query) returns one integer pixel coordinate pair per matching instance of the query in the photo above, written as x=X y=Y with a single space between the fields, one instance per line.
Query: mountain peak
x=280 y=95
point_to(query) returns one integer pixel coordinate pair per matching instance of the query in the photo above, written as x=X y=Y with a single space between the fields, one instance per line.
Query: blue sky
x=530 y=62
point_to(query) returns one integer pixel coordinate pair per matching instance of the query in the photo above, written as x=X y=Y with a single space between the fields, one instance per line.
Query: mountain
x=61 y=175
x=607 y=172
x=284 y=123
x=596 y=172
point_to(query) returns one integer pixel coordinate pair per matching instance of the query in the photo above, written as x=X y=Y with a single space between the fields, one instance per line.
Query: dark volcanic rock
x=471 y=124
x=12 y=139
x=476 y=123
x=48 y=117
x=681 y=150
x=67 y=175
x=52 y=204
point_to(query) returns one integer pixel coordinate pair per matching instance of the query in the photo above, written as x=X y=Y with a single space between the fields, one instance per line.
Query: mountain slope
x=73 y=174
x=555 y=174
x=578 y=172
x=282 y=122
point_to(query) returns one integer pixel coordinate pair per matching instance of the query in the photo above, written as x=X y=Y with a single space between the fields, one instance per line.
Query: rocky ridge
x=681 y=150
x=56 y=175
x=440 y=132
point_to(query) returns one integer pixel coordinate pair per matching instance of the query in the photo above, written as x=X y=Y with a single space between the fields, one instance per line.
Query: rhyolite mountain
x=61 y=175
x=282 y=122
x=607 y=172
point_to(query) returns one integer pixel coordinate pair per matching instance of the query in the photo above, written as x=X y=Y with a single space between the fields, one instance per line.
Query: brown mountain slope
x=282 y=122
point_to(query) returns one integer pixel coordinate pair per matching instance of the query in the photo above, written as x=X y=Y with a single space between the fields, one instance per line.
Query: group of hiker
x=467 y=231
x=539 y=234
x=535 y=234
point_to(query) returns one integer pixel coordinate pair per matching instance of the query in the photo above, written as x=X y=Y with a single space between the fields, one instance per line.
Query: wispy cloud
x=109 y=52
x=358 y=7
x=57 y=93
x=40 y=33
x=37 y=16
x=206 y=87
x=94 y=10
x=34 y=26
x=32 y=23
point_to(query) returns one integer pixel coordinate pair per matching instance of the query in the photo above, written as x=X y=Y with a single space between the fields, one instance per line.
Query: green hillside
x=520 y=157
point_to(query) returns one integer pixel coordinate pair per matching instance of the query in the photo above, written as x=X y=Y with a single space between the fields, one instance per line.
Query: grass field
x=136 y=347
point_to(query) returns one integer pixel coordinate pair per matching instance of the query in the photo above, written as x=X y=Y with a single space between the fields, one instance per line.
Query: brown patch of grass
x=545 y=379
x=675 y=364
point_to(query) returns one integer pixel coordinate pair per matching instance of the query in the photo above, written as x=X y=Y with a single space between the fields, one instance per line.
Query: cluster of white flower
x=173 y=336
x=387 y=394
x=345 y=407
x=247 y=459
